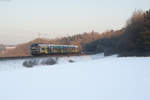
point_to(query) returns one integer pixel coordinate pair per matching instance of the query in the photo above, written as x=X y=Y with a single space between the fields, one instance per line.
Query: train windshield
x=34 y=45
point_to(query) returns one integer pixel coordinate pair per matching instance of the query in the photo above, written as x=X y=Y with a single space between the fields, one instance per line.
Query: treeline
x=107 y=44
x=133 y=40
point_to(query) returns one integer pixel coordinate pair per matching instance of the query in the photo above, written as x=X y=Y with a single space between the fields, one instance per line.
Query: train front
x=35 y=49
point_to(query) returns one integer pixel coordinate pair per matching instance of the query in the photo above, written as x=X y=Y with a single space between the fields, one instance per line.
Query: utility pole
x=39 y=36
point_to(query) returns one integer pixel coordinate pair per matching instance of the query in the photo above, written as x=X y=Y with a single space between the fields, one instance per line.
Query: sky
x=23 y=20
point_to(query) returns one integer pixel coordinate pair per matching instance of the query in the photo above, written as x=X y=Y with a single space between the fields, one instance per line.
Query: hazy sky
x=22 y=20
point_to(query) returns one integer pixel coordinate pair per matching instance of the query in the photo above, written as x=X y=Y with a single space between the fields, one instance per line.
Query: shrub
x=30 y=63
x=71 y=61
x=49 y=61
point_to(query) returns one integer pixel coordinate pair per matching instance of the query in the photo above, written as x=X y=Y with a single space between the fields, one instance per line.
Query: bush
x=71 y=61
x=30 y=63
x=49 y=61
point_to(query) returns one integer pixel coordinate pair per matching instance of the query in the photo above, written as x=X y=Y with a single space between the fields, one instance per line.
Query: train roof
x=57 y=45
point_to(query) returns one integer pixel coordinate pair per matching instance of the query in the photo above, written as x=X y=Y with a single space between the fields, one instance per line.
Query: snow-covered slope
x=109 y=78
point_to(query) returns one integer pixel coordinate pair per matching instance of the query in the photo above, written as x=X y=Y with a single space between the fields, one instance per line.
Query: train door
x=42 y=50
x=45 y=50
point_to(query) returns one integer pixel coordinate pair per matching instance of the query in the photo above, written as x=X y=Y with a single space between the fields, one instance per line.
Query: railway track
x=17 y=57
x=43 y=56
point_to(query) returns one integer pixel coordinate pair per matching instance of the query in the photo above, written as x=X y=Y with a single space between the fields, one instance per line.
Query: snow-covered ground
x=89 y=78
x=8 y=65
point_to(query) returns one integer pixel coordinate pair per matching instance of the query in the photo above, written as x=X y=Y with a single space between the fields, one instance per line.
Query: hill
x=132 y=40
x=24 y=49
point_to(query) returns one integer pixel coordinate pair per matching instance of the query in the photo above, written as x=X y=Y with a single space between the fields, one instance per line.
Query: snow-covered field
x=89 y=78
x=9 y=65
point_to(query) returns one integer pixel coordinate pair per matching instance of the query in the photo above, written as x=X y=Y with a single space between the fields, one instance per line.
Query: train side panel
x=46 y=49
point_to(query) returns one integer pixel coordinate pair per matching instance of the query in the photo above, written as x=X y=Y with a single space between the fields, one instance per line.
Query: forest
x=132 y=40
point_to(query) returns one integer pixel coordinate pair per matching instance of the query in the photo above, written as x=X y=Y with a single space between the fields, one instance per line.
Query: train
x=37 y=49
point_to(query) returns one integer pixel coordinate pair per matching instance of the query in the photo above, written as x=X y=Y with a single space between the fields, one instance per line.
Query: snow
x=89 y=78
x=8 y=65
